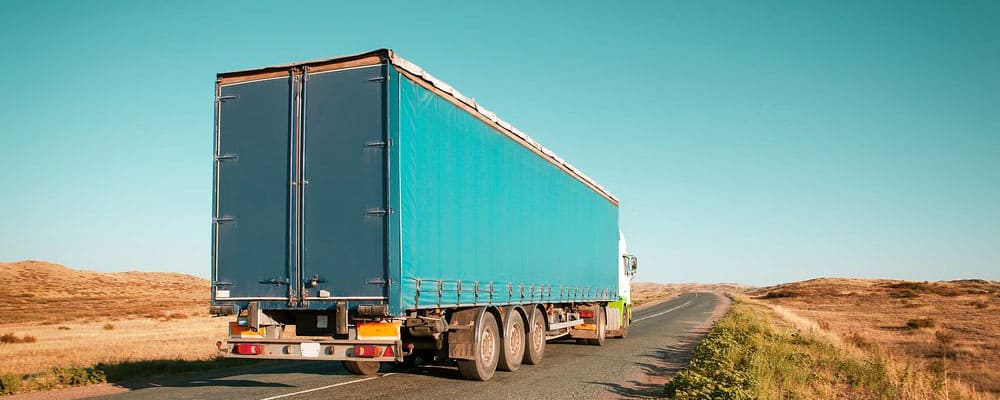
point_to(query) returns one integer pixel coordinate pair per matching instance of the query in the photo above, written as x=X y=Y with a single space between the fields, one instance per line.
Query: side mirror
x=633 y=264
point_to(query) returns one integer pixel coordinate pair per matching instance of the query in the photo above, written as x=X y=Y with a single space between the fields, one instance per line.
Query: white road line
x=662 y=312
x=280 y=396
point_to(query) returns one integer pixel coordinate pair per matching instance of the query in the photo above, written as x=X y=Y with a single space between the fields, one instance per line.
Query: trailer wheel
x=362 y=367
x=534 y=346
x=512 y=349
x=601 y=328
x=487 y=351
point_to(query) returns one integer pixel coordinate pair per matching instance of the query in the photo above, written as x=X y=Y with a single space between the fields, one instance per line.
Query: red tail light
x=249 y=349
x=367 y=351
x=388 y=352
x=586 y=314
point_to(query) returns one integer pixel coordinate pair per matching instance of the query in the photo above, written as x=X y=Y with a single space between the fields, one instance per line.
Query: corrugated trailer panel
x=479 y=209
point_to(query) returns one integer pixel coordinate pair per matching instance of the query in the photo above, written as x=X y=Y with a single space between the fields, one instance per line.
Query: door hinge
x=379 y=211
x=223 y=157
x=379 y=143
x=223 y=283
x=275 y=281
x=376 y=79
x=224 y=98
x=223 y=220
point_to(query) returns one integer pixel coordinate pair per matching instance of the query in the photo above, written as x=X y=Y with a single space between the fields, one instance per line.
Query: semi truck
x=365 y=211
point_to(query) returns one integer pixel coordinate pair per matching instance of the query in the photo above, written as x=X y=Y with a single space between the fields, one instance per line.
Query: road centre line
x=281 y=396
x=662 y=312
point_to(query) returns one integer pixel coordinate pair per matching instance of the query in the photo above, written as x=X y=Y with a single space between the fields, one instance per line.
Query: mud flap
x=462 y=333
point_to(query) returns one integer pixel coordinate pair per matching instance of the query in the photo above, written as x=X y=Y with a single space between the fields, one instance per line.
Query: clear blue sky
x=753 y=142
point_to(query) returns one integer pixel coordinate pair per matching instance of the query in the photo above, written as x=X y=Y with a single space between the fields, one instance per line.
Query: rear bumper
x=305 y=349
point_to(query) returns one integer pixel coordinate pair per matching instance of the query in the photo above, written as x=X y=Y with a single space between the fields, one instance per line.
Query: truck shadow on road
x=654 y=370
x=250 y=373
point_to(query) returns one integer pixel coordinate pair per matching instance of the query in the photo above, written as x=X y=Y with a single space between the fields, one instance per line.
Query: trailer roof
x=376 y=57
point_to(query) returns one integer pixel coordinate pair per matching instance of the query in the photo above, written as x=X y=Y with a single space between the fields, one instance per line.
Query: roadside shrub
x=859 y=341
x=904 y=294
x=10 y=383
x=109 y=327
x=64 y=328
x=76 y=376
x=11 y=338
x=918 y=323
x=178 y=315
x=778 y=294
x=915 y=286
x=979 y=304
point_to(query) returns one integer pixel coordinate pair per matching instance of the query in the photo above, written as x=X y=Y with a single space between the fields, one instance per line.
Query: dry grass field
x=82 y=318
x=954 y=326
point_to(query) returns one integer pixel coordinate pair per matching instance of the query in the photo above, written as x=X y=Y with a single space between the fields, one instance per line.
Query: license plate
x=236 y=330
x=378 y=330
x=309 y=349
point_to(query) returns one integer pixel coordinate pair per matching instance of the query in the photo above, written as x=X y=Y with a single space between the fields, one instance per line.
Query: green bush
x=780 y=294
x=918 y=323
x=76 y=376
x=10 y=383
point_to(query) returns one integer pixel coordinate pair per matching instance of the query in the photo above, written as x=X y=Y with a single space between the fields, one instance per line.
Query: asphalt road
x=659 y=342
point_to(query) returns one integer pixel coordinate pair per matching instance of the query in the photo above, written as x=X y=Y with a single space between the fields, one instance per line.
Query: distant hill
x=957 y=321
x=645 y=292
x=42 y=292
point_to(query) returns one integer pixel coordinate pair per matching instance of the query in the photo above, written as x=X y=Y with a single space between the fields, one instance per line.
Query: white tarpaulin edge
x=412 y=68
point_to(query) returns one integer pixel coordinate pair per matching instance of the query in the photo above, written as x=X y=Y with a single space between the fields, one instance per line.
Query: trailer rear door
x=344 y=194
x=251 y=215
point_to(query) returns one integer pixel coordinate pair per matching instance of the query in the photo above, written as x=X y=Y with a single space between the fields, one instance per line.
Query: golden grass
x=754 y=352
x=940 y=324
x=131 y=340
x=82 y=318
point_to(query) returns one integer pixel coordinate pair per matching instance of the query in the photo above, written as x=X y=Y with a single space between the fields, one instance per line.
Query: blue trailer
x=368 y=212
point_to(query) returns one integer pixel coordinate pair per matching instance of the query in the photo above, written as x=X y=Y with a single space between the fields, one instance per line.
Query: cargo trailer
x=367 y=212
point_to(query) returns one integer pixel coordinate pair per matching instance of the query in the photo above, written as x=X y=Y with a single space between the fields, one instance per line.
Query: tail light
x=367 y=351
x=249 y=349
x=586 y=314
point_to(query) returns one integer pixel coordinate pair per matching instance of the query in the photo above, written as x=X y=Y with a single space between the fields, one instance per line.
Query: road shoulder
x=648 y=379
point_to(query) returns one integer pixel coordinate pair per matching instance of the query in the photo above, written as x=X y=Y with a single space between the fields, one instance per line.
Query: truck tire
x=602 y=330
x=534 y=343
x=362 y=367
x=512 y=346
x=487 y=351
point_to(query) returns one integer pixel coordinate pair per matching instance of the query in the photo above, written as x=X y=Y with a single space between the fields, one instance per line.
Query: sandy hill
x=41 y=292
x=953 y=323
